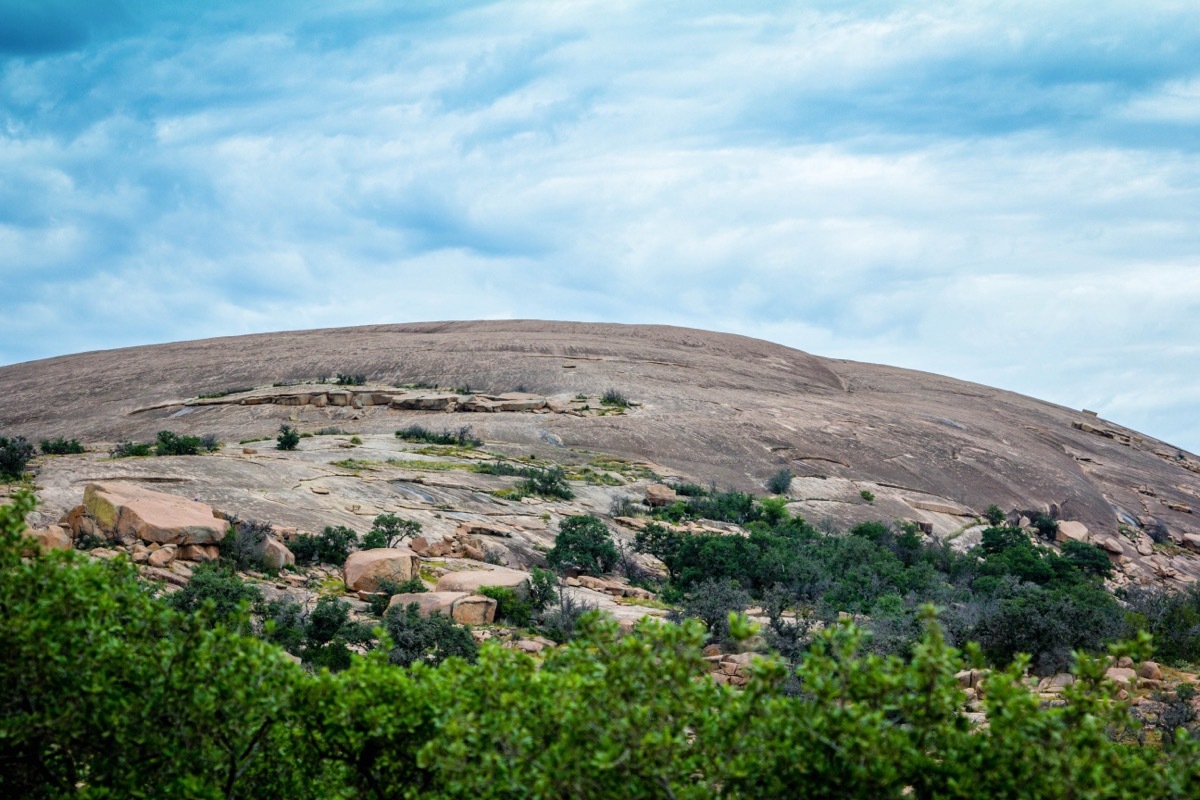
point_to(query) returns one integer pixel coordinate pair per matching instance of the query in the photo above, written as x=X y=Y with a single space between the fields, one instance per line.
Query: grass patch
x=614 y=399
x=355 y=464
x=255 y=439
x=224 y=392
x=644 y=602
x=428 y=466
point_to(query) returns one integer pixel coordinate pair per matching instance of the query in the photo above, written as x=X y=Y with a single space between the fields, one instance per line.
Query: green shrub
x=612 y=397
x=172 y=444
x=350 y=380
x=867 y=495
x=428 y=640
x=994 y=515
x=331 y=546
x=15 y=453
x=543 y=588
x=128 y=449
x=780 y=482
x=387 y=588
x=242 y=547
x=584 y=542
x=217 y=591
x=510 y=606
x=356 y=439
x=61 y=447
x=288 y=438
x=389 y=530
x=549 y=483
x=711 y=602
x=1047 y=526
x=462 y=437
x=210 y=442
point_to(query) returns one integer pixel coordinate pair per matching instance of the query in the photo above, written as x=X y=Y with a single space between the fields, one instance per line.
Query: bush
x=510 y=606
x=429 y=640
x=210 y=442
x=612 y=397
x=356 y=439
x=128 y=449
x=172 y=444
x=710 y=602
x=329 y=634
x=780 y=482
x=288 y=438
x=389 y=530
x=242 y=547
x=994 y=515
x=543 y=588
x=331 y=546
x=350 y=380
x=1046 y=525
x=584 y=542
x=462 y=437
x=15 y=453
x=61 y=447
x=549 y=483
x=216 y=590
x=560 y=620
x=867 y=495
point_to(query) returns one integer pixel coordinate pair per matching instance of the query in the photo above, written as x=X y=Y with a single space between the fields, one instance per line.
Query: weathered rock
x=127 y=510
x=659 y=495
x=52 y=537
x=365 y=569
x=1122 y=676
x=428 y=603
x=1150 y=670
x=483 y=529
x=474 y=610
x=418 y=544
x=162 y=557
x=472 y=580
x=473 y=553
x=274 y=554
x=200 y=552
x=1071 y=531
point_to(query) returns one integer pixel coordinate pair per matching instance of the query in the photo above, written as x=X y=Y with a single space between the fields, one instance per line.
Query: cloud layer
x=1003 y=192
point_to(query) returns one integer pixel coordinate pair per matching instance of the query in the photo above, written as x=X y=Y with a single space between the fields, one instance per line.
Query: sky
x=1003 y=192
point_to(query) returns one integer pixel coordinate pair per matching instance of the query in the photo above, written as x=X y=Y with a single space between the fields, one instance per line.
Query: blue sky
x=1005 y=192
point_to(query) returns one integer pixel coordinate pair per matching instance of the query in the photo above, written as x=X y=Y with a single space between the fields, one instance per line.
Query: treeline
x=107 y=691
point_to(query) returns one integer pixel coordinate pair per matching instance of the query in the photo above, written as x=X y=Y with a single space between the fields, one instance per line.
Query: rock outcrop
x=367 y=569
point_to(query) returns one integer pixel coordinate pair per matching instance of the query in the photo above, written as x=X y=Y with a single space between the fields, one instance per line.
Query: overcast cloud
x=1005 y=192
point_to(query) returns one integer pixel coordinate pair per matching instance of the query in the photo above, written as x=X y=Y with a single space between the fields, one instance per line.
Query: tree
x=15 y=453
x=780 y=482
x=288 y=438
x=584 y=542
x=388 y=530
x=428 y=640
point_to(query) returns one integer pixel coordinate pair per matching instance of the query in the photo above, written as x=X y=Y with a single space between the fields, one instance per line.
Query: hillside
x=709 y=407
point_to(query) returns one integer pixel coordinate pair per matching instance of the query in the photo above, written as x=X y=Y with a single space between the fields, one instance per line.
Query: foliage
x=357 y=379
x=210 y=442
x=510 y=606
x=60 y=447
x=780 y=482
x=1171 y=617
x=549 y=483
x=329 y=635
x=388 y=530
x=612 y=397
x=543 y=588
x=427 y=640
x=584 y=542
x=1046 y=526
x=242 y=547
x=288 y=438
x=867 y=495
x=994 y=515
x=461 y=437
x=217 y=591
x=331 y=546
x=128 y=449
x=379 y=601
x=711 y=602
x=172 y=444
x=15 y=453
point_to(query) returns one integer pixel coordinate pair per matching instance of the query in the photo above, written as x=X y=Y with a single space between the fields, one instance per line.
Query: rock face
x=366 y=569
x=472 y=580
x=462 y=607
x=708 y=407
x=131 y=512
x=50 y=538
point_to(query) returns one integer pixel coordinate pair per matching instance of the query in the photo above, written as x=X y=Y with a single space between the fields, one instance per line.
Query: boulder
x=123 y=510
x=198 y=552
x=53 y=537
x=659 y=494
x=274 y=554
x=483 y=529
x=1150 y=670
x=474 y=609
x=1121 y=676
x=162 y=557
x=428 y=603
x=1071 y=531
x=472 y=580
x=365 y=569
